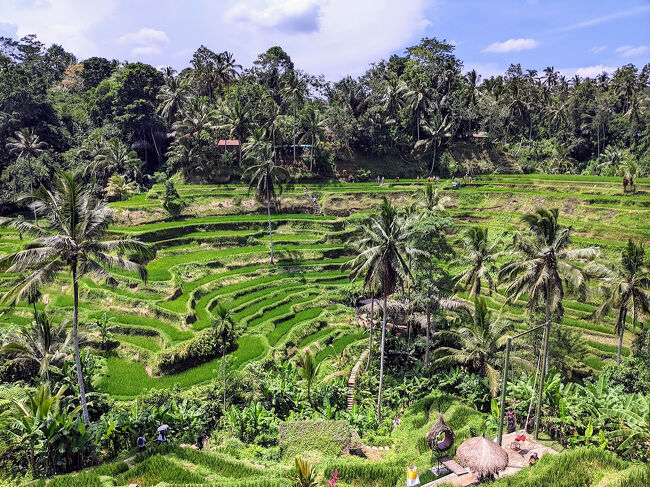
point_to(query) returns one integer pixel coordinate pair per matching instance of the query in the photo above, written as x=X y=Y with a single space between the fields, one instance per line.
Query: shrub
x=327 y=437
x=204 y=347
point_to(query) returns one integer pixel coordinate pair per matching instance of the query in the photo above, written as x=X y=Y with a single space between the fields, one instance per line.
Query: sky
x=343 y=37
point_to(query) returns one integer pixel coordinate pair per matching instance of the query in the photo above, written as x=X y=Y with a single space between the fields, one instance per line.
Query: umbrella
x=482 y=456
x=164 y=427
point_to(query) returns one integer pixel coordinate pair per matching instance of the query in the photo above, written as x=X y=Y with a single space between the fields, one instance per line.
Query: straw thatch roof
x=434 y=433
x=482 y=456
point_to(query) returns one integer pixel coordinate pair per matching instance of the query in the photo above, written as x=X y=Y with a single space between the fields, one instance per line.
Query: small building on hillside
x=231 y=145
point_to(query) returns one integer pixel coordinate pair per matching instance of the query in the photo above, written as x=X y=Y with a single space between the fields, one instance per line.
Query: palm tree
x=224 y=328
x=173 y=96
x=115 y=156
x=43 y=343
x=431 y=200
x=478 y=258
x=436 y=128
x=308 y=369
x=627 y=288
x=472 y=79
x=478 y=344
x=312 y=129
x=541 y=266
x=419 y=101
x=430 y=298
x=77 y=222
x=226 y=69
x=235 y=116
x=267 y=179
x=27 y=145
x=293 y=91
x=383 y=250
x=255 y=143
x=394 y=97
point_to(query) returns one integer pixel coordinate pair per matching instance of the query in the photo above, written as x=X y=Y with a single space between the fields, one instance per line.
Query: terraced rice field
x=218 y=255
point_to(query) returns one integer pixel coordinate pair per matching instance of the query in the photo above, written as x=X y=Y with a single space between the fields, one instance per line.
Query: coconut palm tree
x=224 y=328
x=419 y=100
x=312 y=126
x=72 y=243
x=255 y=142
x=115 y=157
x=236 y=119
x=173 y=96
x=226 y=69
x=293 y=92
x=42 y=343
x=267 y=180
x=541 y=266
x=382 y=258
x=436 y=128
x=394 y=96
x=431 y=200
x=27 y=145
x=478 y=257
x=478 y=344
x=627 y=289
x=472 y=79
x=432 y=300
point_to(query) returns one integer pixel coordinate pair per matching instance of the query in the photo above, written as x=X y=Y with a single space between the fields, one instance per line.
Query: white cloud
x=588 y=71
x=347 y=35
x=290 y=16
x=512 y=45
x=631 y=51
x=145 y=42
x=66 y=22
x=597 y=49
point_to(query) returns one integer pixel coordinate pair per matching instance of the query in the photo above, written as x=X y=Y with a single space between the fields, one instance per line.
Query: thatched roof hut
x=438 y=429
x=482 y=456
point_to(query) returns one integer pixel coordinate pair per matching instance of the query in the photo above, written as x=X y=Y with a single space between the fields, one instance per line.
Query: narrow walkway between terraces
x=353 y=378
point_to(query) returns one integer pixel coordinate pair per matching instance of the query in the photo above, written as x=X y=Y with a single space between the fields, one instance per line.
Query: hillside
x=218 y=254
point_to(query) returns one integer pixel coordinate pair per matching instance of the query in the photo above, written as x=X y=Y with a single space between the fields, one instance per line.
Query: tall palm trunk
x=77 y=355
x=294 y=130
x=381 y=361
x=547 y=333
x=31 y=185
x=372 y=319
x=428 y=346
x=433 y=163
x=223 y=369
x=622 y=316
x=268 y=212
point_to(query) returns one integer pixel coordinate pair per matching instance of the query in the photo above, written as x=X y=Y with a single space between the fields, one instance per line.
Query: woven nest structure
x=482 y=456
x=433 y=438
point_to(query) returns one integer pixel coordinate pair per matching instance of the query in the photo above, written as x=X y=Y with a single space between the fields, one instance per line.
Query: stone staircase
x=353 y=378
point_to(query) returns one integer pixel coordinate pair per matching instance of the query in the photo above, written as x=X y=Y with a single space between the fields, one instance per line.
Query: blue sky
x=338 y=37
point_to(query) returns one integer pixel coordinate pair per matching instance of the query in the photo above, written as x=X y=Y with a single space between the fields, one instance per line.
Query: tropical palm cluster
x=419 y=108
x=539 y=264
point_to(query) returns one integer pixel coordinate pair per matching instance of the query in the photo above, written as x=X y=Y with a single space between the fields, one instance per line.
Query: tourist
x=533 y=459
x=142 y=442
x=200 y=441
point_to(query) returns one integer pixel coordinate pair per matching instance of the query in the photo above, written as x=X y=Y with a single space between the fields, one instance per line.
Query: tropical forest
x=249 y=275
